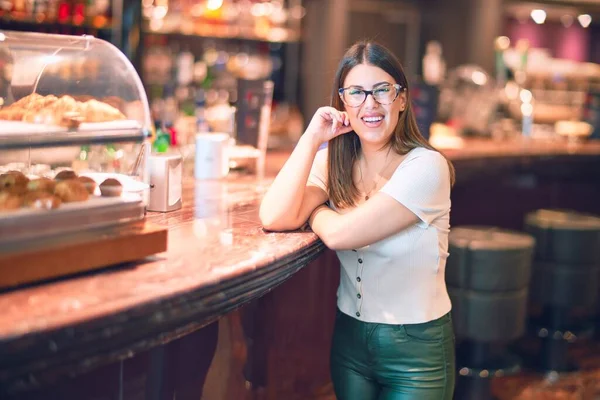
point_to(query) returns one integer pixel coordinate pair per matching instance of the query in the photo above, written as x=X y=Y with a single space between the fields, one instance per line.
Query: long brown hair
x=344 y=149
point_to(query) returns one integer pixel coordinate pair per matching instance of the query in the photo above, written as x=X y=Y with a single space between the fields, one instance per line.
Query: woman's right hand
x=328 y=123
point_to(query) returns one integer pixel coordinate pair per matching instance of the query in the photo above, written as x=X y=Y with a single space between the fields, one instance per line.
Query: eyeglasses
x=384 y=94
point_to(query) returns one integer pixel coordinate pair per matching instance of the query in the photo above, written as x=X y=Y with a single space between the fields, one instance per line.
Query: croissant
x=63 y=111
x=32 y=102
x=25 y=101
x=12 y=114
x=96 y=111
x=33 y=111
x=53 y=112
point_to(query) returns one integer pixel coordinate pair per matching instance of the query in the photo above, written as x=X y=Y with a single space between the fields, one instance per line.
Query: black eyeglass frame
x=397 y=86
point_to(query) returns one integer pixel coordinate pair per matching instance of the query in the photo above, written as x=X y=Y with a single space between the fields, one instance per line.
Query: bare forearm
x=327 y=224
x=281 y=205
x=355 y=229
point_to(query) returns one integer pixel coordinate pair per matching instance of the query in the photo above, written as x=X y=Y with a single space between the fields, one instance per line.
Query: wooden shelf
x=7 y=22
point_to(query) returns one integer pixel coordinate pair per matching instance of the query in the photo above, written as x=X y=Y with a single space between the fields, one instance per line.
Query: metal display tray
x=24 y=226
x=18 y=135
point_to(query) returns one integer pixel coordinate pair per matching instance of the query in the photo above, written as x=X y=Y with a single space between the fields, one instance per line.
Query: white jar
x=212 y=161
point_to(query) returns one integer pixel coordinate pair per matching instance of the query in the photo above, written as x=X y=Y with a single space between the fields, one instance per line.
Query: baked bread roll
x=41 y=185
x=65 y=175
x=88 y=183
x=13 y=179
x=71 y=191
x=41 y=200
x=10 y=201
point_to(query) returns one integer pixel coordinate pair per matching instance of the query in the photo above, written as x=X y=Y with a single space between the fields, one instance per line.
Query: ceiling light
x=479 y=78
x=214 y=5
x=526 y=96
x=502 y=43
x=567 y=20
x=585 y=20
x=539 y=16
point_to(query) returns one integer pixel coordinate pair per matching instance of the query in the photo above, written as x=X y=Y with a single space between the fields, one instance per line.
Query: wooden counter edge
x=90 y=251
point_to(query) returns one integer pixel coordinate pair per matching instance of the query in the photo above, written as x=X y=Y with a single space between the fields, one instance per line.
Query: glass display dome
x=71 y=103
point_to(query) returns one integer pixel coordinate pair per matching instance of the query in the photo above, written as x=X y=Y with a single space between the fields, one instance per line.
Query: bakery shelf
x=34 y=23
x=273 y=35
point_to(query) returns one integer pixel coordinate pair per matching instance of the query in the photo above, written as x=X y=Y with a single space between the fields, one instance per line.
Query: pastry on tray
x=71 y=191
x=111 y=188
x=89 y=183
x=10 y=201
x=41 y=185
x=36 y=106
x=22 y=104
x=25 y=101
x=52 y=112
x=65 y=175
x=26 y=107
x=97 y=111
x=41 y=200
x=13 y=179
x=62 y=111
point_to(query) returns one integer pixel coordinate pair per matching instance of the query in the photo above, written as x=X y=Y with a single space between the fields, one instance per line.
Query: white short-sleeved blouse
x=400 y=279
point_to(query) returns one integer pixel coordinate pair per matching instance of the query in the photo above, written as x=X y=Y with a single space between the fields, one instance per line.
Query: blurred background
x=486 y=76
x=191 y=56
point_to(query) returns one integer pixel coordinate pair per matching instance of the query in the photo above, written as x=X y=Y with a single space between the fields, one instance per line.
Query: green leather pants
x=392 y=362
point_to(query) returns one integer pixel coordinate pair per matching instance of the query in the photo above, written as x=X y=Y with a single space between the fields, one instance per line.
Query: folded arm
x=418 y=192
x=380 y=217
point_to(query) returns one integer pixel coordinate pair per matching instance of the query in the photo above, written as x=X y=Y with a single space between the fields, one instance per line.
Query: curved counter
x=219 y=258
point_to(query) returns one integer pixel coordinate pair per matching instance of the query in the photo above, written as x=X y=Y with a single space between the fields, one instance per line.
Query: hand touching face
x=328 y=123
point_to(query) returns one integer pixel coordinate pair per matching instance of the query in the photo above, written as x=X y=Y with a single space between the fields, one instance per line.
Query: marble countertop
x=218 y=258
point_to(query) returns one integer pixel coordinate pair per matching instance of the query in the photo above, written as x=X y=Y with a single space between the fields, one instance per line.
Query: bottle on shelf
x=78 y=12
x=200 y=111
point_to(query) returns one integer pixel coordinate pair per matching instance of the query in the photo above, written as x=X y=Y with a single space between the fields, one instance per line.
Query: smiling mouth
x=372 y=119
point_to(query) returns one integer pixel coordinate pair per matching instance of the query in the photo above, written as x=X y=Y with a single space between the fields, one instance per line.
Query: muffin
x=13 y=179
x=71 y=191
x=41 y=200
x=111 y=188
x=65 y=175
x=41 y=185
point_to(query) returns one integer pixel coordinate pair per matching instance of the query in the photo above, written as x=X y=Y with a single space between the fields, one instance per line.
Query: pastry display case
x=75 y=133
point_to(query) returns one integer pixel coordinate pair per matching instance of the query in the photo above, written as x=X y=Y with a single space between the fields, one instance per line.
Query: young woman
x=387 y=216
